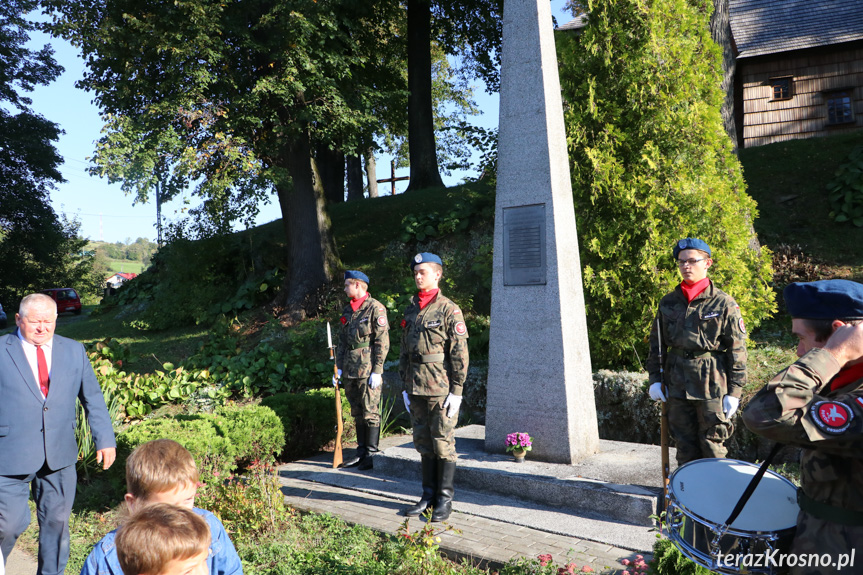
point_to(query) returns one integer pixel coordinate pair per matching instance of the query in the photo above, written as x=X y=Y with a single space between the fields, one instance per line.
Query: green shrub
x=264 y=369
x=651 y=163
x=220 y=442
x=308 y=419
x=137 y=395
x=845 y=190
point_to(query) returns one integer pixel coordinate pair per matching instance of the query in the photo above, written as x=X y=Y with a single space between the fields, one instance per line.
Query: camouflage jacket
x=364 y=340
x=703 y=345
x=434 y=356
x=798 y=408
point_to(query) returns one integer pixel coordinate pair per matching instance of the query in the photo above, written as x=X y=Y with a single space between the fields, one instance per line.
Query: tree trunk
x=355 y=177
x=421 y=137
x=311 y=252
x=720 y=30
x=331 y=166
x=371 y=172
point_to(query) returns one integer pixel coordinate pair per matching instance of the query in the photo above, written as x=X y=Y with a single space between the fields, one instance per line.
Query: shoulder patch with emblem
x=460 y=328
x=832 y=416
x=382 y=320
x=742 y=325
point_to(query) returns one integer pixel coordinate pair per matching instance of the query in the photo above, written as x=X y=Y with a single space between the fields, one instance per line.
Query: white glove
x=451 y=404
x=407 y=401
x=656 y=391
x=730 y=405
x=336 y=378
x=375 y=380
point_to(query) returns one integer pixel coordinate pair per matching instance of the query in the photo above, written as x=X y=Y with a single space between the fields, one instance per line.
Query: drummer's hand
x=730 y=405
x=846 y=343
x=656 y=391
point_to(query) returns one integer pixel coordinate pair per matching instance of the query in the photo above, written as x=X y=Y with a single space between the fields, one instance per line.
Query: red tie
x=44 y=380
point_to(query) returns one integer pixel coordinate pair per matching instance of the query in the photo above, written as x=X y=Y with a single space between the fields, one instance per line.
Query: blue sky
x=104 y=211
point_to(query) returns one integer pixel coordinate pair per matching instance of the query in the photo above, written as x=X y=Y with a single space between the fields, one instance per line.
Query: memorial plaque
x=524 y=245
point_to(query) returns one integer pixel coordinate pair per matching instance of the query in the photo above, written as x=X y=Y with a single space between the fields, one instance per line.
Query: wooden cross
x=393 y=179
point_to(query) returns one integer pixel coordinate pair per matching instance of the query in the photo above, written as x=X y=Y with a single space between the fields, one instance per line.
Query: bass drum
x=701 y=496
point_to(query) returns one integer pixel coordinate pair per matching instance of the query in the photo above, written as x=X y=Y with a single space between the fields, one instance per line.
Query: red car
x=67 y=299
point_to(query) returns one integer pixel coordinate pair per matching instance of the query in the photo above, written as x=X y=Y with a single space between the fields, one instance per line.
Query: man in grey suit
x=41 y=375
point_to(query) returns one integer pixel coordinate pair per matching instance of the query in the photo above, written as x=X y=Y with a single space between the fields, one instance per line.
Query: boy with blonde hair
x=163 y=471
x=163 y=539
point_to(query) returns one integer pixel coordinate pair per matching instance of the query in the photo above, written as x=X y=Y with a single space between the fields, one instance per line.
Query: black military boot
x=429 y=472
x=372 y=438
x=445 y=490
x=360 y=453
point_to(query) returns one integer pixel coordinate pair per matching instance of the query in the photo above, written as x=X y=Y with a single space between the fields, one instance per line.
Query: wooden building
x=799 y=68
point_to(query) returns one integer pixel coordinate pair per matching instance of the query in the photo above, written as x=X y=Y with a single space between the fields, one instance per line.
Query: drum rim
x=730 y=529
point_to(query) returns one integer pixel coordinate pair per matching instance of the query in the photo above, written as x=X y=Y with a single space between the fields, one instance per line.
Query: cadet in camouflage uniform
x=817 y=404
x=363 y=345
x=703 y=355
x=433 y=366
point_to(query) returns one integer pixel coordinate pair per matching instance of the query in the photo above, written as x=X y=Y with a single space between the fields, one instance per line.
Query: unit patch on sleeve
x=460 y=328
x=832 y=416
x=382 y=320
x=742 y=325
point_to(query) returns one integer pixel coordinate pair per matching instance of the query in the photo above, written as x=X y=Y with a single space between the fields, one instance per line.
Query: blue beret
x=425 y=258
x=355 y=275
x=691 y=244
x=825 y=299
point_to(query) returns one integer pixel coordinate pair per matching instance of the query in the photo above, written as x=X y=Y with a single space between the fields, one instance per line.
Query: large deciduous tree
x=652 y=163
x=469 y=30
x=250 y=88
x=37 y=249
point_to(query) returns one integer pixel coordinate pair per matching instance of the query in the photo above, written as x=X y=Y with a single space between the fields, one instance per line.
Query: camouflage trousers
x=434 y=432
x=365 y=401
x=699 y=428
x=816 y=536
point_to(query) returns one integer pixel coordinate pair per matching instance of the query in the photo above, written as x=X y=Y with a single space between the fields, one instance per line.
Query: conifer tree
x=652 y=163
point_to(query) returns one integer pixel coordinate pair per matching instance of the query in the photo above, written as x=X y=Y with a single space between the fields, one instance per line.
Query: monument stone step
x=622 y=482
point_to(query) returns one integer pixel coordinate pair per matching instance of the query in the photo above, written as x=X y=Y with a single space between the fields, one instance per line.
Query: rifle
x=337 y=454
x=663 y=419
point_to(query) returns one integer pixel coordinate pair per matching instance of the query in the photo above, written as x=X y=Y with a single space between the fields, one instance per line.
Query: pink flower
x=639 y=557
x=587 y=569
x=626 y=562
x=544 y=559
x=626 y=573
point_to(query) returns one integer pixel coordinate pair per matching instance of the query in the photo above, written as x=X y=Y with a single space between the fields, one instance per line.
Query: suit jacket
x=34 y=430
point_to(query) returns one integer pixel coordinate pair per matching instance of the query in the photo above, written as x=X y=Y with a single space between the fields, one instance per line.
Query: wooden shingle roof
x=764 y=27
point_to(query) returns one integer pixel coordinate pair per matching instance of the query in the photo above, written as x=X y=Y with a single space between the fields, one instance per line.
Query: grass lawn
x=125 y=266
x=149 y=350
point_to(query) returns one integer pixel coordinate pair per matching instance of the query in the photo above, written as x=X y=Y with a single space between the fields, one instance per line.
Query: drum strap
x=750 y=489
x=829 y=512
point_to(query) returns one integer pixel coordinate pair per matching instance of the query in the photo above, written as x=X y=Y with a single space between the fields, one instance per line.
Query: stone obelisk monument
x=539 y=376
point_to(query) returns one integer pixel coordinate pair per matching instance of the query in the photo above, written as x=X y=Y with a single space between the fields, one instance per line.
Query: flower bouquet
x=518 y=444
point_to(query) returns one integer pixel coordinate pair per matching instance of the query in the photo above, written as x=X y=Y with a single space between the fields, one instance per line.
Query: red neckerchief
x=356 y=303
x=692 y=291
x=425 y=297
x=845 y=376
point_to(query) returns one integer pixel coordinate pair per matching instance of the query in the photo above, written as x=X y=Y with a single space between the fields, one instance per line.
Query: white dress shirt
x=30 y=354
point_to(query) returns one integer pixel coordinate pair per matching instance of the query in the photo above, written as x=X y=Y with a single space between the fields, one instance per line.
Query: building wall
x=815 y=72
